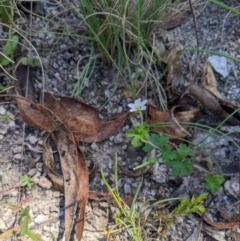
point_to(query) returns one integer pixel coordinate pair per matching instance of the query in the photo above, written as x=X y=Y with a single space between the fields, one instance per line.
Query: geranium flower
x=138 y=105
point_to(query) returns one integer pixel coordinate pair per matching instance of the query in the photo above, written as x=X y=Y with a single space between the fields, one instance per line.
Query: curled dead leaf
x=171 y=128
x=211 y=103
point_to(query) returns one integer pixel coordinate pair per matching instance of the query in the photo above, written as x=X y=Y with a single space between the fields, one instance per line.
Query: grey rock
x=2 y=110
x=18 y=156
x=118 y=139
x=127 y=188
x=94 y=146
x=231 y=187
x=17 y=149
x=32 y=172
x=11 y=124
x=32 y=140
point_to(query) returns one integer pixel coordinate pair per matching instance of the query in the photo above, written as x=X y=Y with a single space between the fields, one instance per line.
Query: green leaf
x=24 y=226
x=4 y=61
x=159 y=141
x=34 y=236
x=168 y=155
x=180 y=167
x=139 y=133
x=135 y=142
x=147 y=148
x=10 y=46
x=5 y=11
x=186 y=150
x=25 y=211
x=24 y=60
x=213 y=182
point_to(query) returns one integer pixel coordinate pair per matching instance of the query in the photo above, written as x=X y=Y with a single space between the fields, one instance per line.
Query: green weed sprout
x=7 y=54
x=128 y=216
x=27 y=181
x=6 y=118
x=137 y=217
x=21 y=230
x=177 y=158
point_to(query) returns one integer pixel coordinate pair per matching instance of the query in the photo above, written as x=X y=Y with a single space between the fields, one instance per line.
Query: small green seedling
x=213 y=182
x=177 y=158
x=150 y=213
x=31 y=62
x=191 y=206
x=27 y=181
x=6 y=118
x=21 y=230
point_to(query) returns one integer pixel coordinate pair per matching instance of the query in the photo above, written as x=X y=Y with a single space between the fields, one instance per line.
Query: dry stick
x=196 y=32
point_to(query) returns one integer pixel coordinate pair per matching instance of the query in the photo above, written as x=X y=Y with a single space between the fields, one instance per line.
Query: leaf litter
x=68 y=121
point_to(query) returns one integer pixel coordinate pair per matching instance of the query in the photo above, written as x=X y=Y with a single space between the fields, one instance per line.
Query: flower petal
x=144 y=102
x=137 y=102
x=131 y=105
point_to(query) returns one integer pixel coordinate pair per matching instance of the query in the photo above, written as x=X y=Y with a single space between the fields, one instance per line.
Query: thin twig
x=196 y=32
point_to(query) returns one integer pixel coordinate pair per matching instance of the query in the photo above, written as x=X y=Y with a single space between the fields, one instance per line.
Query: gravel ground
x=64 y=58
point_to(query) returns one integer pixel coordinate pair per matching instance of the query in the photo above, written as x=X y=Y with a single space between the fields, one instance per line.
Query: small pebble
x=11 y=124
x=18 y=156
x=40 y=218
x=32 y=140
x=44 y=183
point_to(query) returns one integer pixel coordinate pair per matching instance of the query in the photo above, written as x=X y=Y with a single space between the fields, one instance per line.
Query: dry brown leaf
x=211 y=103
x=56 y=116
x=68 y=154
x=208 y=82
x=67 y=149
x=56 y=178
x=82 y=193
x=58 y=183
x=83 y=120
x=156 y=116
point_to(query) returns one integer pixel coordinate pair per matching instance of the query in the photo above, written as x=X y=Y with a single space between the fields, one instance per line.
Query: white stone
x=2 y=225
x=11 y=123
x=219 y=64
x=33 y=140
x=18 y=156
x=2 y=110
x=40 y=218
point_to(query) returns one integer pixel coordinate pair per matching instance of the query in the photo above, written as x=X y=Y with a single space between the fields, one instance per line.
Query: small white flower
x=138 y=105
